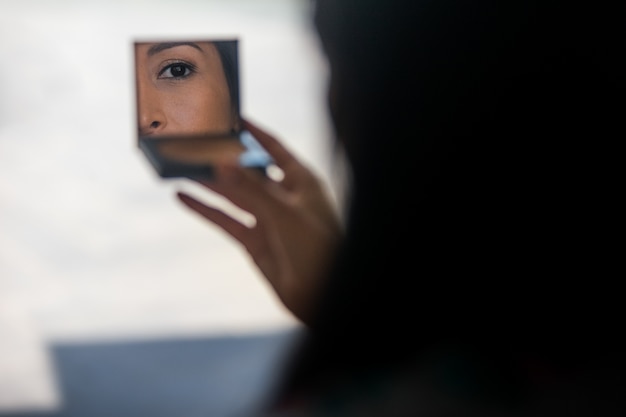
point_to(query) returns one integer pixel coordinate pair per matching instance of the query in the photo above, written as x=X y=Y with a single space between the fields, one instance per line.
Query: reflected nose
x=152 y=118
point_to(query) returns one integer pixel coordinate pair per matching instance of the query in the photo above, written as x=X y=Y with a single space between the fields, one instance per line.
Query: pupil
x=178 y=70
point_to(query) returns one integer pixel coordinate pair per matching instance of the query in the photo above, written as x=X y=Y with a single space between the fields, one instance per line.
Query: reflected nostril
x=155 y=124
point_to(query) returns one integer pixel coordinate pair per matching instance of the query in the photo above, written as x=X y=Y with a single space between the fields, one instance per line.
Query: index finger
x=281 y=155
x=295 y=173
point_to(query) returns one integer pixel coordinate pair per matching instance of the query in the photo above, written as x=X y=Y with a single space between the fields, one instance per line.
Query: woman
x=474 y=276
x=186 y=88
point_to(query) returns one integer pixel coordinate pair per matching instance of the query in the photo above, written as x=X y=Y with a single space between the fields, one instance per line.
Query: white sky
x=92 y=243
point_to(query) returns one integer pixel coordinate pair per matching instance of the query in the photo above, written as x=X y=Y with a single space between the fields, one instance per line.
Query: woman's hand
x=297 y=229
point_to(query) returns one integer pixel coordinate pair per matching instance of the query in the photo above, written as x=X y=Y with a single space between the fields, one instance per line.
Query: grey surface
x=195 y=377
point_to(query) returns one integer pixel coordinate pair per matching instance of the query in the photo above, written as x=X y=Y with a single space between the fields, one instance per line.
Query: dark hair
x=483 y=138
x=474 y=119
x=228 y=51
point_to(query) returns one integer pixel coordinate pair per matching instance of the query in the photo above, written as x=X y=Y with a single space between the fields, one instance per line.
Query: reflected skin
x=182 y=89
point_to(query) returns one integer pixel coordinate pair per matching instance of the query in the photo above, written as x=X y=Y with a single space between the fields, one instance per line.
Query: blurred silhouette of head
x=482 y=142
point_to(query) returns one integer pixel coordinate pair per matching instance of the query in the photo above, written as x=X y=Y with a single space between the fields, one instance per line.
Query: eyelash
x=189 y=69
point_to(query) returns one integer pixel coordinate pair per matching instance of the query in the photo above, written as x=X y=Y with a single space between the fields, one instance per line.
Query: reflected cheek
x=182 y=115
x=198 y=111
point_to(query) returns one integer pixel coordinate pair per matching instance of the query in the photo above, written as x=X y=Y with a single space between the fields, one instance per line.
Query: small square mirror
x=188 y=108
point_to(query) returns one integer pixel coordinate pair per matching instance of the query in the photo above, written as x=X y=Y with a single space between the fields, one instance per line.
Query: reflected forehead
x=158 y=47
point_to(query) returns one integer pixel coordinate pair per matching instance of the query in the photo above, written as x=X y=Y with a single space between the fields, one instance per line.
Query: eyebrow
x=155 y=49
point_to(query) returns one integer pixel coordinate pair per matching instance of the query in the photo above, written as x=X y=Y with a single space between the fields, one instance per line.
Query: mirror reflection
x=188 y=110
x=187 y=87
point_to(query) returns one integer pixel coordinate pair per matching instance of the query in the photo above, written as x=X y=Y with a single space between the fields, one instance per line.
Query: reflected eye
x=177 y=70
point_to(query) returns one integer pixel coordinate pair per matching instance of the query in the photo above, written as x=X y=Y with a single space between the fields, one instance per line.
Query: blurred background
x=95 y=251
